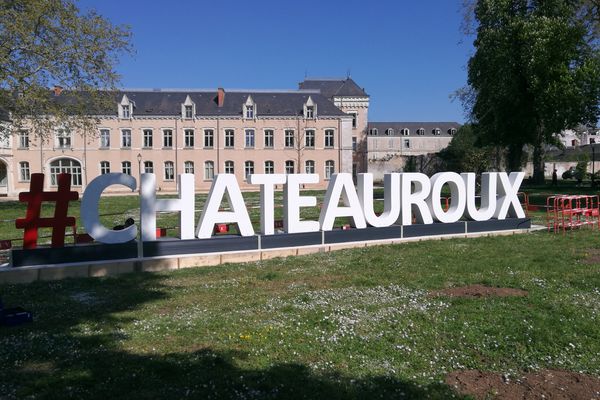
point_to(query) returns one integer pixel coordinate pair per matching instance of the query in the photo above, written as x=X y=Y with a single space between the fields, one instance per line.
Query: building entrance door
x=3 y=179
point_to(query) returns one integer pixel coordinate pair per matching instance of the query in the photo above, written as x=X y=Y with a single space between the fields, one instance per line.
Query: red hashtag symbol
x=32 y=221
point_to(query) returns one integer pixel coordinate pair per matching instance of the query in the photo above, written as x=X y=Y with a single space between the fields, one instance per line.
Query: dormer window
x=451 y=131
x=249 y=108
x=310 y=109
x=389 y=132
x=126 y=108
x=374 y=131
x=420 y=131
x=436 y=131
x=404 y=132
x=188 y=108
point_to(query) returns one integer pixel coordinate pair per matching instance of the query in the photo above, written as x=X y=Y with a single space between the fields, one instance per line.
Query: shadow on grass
x=52 y=358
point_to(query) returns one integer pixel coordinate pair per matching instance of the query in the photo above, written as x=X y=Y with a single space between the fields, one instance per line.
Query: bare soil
x=547 y=384
x=477 y=291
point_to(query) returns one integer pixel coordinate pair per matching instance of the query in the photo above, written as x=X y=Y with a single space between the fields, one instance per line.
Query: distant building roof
x=331 y=87
x=413 y=127
x=158 y=102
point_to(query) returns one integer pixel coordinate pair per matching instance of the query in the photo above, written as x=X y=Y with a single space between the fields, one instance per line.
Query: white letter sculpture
x=415 y=201
x=292 y=202
x=456 y=208
x=267 y=184
x=341 y=186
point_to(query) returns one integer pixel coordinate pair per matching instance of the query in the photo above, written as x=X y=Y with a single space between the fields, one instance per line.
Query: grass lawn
x=351 y=324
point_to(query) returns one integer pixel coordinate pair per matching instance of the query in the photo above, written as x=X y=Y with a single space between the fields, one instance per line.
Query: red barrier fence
x=572 y=211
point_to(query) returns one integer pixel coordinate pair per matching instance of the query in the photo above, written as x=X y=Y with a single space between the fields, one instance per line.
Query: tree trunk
x=538 y=164
x=514 y=157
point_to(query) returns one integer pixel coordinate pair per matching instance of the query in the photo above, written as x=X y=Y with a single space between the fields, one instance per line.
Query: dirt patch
x=592 y=256
x=547 y=384
x=479 y=291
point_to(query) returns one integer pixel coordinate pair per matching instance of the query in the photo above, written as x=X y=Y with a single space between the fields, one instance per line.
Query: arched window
x=405 y=132
x=229 y=167
x=188 y=167
x=169 y=171
x=209 y=170
x=309 y=167
x=436 y=131
x=65 y=166
x=148 y=167
x=329 y=168
x=420 y=131
x=289 y=167
x=126 y=167
x=451 y=131
x=269 y=167
x=104 y=167
x=248 y=168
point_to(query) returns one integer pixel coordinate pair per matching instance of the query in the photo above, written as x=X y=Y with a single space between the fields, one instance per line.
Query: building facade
x=201 y=132
x=321 y=128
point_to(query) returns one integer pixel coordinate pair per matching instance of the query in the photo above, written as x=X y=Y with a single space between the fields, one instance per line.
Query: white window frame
x=189 y=138
x=269 y=167
x=125 y=144
x=309 y=140
x=229 y=136
x=229 y=167
x=248 y=168
x=104 y=138
x=309 y=166
x=252 y=136
x=188 y=167
x=148 y=167
x=208 y=138
x=209 y=170
x=104 y=167
x=126 y=167
x=290 y=164
x=169 y=171
x=24 y=171
x=329 y=169
x=289 y=138
x=269 y=138
x=167 y=139
x=329 y=135
x=147 y=138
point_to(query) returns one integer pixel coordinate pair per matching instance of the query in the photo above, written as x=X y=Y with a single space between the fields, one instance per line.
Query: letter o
x=458 y=201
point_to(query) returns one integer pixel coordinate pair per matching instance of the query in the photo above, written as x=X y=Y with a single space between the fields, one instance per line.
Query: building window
x=229 y=138
x=209 y=170
x=104 y=138
x=269 y=167
x=65 y=166
x=289 y=138
x=229 y=167
x=420 y=131
x=269 y=137
x=125 y=110
x=63 y=138
x=309 y=167
x=24 y=172
x=126 y=167
x=354 y=119
x=209 y=138
x=309 y=138
x=289 y=167
x=126 y=138
x=248 y=168
x=404 y=132
x=148 y=138
x=329 y=138
x=169 y=171
x=188 y=167
x=373 y=132
x=407 y=143
x=353 y=143
x=104 y=167
x=436 y=131
x=249 y=111
x=249 y=138
x=451 y=131
x=188 y=137
x=148 y=167
x=310 y=111
x=189 y=112
x=24 y=139
x=329 y=168
x=389 y=131
x=167 y=138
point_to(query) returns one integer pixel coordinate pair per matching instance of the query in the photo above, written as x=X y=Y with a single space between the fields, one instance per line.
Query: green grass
x=351 y=324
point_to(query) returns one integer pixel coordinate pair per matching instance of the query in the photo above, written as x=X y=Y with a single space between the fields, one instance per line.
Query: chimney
x=57 y=90
x=220 y=97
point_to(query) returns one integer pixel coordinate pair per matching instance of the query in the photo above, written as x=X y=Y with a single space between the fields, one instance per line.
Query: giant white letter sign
x=89 y=209
x=184 y=204
x=224 y=184
x=488 y=196
x=508 y=199
x=456 y=208
x=292 y=202
x=414 y=201
x=341 y=186
x=267 y=184
x=391 y=199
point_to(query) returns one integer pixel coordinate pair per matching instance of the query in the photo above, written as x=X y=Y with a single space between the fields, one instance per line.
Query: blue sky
x=409 y=56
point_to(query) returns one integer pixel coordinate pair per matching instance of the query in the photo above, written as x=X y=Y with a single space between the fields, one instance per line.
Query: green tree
x=51 y=42
x=464 y=155
x=534 y=73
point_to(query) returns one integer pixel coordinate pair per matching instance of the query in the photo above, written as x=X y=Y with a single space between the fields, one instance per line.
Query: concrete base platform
x=11 y=275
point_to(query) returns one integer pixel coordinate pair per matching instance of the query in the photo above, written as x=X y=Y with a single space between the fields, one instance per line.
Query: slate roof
x=334 y=87
x=382 y=127
x=156 y=102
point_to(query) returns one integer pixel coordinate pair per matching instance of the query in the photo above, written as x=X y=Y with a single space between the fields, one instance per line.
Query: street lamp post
x=140 y=246
x=593 y=164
